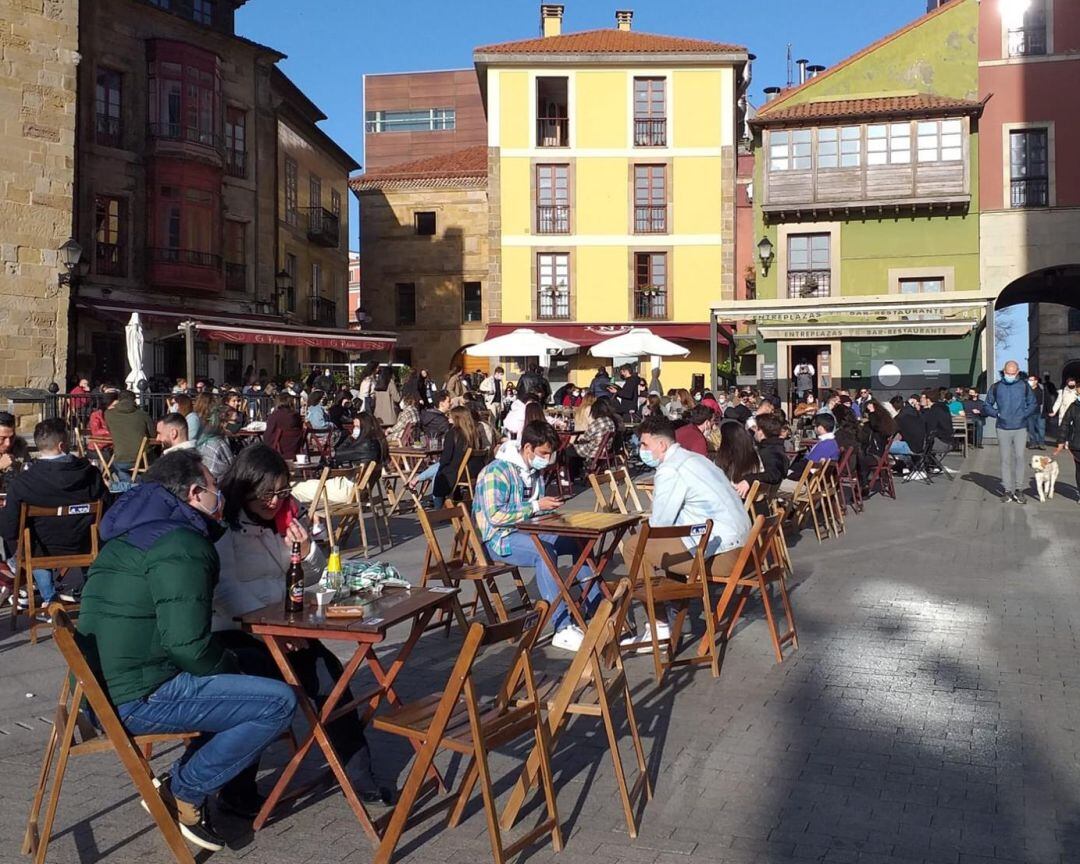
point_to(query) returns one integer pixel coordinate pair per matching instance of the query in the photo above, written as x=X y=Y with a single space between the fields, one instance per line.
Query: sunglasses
x=271 y=497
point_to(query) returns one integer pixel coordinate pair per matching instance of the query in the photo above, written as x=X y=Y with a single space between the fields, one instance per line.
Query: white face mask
x=356 y=432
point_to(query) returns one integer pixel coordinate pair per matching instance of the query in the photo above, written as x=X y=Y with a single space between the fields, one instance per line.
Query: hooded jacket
x=128 y=425
x=507 y=492
x=146 y=607
x=53 y=483
x=1011 y=403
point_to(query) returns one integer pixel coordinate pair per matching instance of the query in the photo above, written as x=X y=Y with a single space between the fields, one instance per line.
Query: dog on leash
x=1046 y=475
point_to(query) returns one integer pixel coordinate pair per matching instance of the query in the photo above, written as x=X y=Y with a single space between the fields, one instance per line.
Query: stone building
x=424 y=236
x=38 y=46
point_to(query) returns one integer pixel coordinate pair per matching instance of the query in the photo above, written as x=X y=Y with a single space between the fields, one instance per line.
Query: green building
x=866 y=218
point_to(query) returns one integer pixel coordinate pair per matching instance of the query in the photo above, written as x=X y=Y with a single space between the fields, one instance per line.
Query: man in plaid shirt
x=511 y=490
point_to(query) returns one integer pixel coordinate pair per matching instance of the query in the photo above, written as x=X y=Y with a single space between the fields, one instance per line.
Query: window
x=552 y=199
x=553 y=285
x=202 y=11
x=291 y=192
x=316 y=279
x=335 y=202
x=235 y=141
x=287 y=299
x=1074 y=321
x=314 y=191
x=107 y=122
x=934 y=285
x=650 y=199
x=184 y=93
x=1027 y=33
x=1029 y=168
x=423 y=120
x=471 y=300
x=110 y=235
x=232 y=365
x=552 y=113
x=940 y=140
x=405 y=303
x=650 y=120
x=888 y=144
x=235 y=255
x=650 y=285
x=424 y=222
x=185 y=226
x=790 y=150
x=837 y=148
x=809 y=265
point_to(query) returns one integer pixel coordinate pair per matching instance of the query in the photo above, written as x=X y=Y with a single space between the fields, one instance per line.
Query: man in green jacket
x=128 y=425
x=145 y=628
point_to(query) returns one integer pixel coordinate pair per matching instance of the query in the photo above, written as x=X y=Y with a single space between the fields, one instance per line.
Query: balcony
x=553 y=303
x=235 y=277
x=323 y=312
x=107 y=130
x=236 y=163
x=650 y=303
x=184 y=269
x=323 y=226
x=1030 y=192
x=650 y=220
x=650 y=131
x=553 y=131
x=553 y=219
x=185 y=134
x=809 y=283
x=109 y=260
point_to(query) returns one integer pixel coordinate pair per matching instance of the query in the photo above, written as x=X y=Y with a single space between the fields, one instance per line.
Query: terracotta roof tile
x=610 y=41
x=465 y=164
x=918 y=105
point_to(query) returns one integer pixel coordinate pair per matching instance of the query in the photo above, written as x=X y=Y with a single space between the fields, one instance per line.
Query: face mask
x=697 y=397
x=1010 y=379
x=355 y=433
x=649 y=458
x=539 y=463
x=218 y=499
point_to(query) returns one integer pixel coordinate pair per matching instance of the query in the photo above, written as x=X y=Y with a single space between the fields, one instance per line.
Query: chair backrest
x=751 y=496
x=699 y=533
x=30 y=515
x=959 y=423
x=464 y=476
x=105 y=465
x=461 y=551
x=602 y=456
x=802 y=485
x=883 y=460
x=845 y=463
x=142 y=459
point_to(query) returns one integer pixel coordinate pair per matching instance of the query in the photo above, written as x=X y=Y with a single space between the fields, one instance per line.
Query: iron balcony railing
x=552 y=219
x=650 y=303
x=107 y=130
x=169 y=255
x=323 y=312
x=650 y=131
x=553 y=303
x=236 y=163
x=1030 y=192
x=809 y=283
x=187 y=134
x=650 y=220
x=552 y=131
x=109 y=260
x=323 y=226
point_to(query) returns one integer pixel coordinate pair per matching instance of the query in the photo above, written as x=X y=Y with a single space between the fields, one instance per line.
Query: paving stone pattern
x=929 y=715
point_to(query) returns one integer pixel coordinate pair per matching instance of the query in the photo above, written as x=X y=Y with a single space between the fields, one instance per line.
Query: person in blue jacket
x=1011 y=401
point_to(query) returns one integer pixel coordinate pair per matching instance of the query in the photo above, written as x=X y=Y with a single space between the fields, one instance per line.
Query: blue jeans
x=42 y=578
x=429 y=474
x=1037 y=430
x=122 y=471
x=242 y=714
x=524 y=553
x=900 y=448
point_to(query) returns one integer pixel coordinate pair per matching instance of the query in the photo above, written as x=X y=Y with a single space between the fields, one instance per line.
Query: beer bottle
x=294 y=582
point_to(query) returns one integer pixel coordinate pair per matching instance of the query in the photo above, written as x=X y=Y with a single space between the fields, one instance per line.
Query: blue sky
x=331 y=44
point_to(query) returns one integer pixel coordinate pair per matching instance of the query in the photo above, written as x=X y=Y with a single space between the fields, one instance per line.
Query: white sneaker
x=568 y=639
x=643 y=641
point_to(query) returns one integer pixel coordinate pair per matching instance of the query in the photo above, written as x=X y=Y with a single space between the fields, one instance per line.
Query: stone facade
x=38 y=46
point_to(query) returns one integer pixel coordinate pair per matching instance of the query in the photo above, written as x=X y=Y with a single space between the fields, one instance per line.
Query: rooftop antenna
x=790 y=67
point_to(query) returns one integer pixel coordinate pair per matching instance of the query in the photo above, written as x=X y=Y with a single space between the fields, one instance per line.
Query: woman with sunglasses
x=263 y=523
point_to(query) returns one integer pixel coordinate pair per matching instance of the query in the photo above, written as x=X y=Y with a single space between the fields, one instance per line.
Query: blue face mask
x=539 y=463
x=649 y=458
x=1010 y=379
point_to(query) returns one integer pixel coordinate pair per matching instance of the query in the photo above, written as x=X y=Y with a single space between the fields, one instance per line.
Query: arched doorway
x=1053 y=318
x=468 y=363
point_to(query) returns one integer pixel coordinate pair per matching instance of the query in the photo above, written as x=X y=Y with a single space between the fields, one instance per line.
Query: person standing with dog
x=1012 y=402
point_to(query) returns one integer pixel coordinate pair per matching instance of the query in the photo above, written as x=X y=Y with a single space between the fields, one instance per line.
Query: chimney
x=748 y=70
x=815 y=70
x=551 y=19
x=623 y=18
x=802 y=64
x=771 y=93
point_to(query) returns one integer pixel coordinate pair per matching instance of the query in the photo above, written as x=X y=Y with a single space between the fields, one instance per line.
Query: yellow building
x=611 y=160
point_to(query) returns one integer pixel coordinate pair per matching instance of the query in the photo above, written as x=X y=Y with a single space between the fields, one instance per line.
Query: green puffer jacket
x=146 y=607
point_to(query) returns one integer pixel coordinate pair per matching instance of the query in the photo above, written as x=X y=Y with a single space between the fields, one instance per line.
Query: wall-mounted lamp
x=765 y=254
x=69 y=255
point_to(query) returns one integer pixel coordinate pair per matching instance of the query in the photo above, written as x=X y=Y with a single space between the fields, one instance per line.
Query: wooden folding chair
x=467 y=562
x=960 y=434
x=766 y=567
x=848 y=477
x=109 y=734
x=463 y=480
x=557 y=474
x=26 y=561
x=319 y=443
x=601 y=460
x=805 y=501
x=621 y=496
x=142 y=459
x=595 y=680
x=105 y=465
x=829 y=485
x=455 y=720
x=351 y=513
x=651 y=589
x=881 y=477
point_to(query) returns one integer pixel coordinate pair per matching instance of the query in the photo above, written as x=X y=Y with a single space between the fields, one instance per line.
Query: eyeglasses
x=271 y=497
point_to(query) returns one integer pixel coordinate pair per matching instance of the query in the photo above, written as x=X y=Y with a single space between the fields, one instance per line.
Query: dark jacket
x=356 y=451
x=128 y=425
x=774 y=462
x=433 y=422
x=626 y=397
x=146 y=607
x=912 y=426
x=939 y=422
x=1069 y=433
x=454 y=448
x=53 y=483
x=285 y=431
x=599 y=384
x=738 y=412
x=1011 y=404
x=535 y=382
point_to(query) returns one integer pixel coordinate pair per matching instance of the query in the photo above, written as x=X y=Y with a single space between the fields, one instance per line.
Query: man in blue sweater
x=1012 y=402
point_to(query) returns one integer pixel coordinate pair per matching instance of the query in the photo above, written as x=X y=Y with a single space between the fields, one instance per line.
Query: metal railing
x=109 y=260
x=107 y=130
x=76 y=408
x=1030 y=192
x=187 y=134
x=650 y=304
x=323 y=312
x=167 y=255
x=323 y=226
x=650 y=131
x=552 y=303
x=552 y=131
x=809 y=283
x=235 y=276
x=1027 y=41
x=650 y=220
x=236 y=163
x=552 y=218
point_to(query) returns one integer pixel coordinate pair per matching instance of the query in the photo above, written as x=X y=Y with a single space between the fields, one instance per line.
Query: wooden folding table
x=405 y=464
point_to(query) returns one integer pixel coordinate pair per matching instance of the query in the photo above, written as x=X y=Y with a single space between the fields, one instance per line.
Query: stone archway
x=1054 y=326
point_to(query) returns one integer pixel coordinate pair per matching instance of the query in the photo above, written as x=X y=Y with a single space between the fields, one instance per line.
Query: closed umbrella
x=133 y=333
x=522 y=342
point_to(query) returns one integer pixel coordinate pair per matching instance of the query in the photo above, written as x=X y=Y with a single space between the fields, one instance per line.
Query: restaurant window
x=424 y=222
x=837 y=148
x=650 y=112
x=184 y=93
x=650 y=285
x=405 y=303
x=809 y=265
x=553 y=285
x=552 y=199
x=790 y=150
x=415 y=120
x=650 y=199
x=472 y=302
x=552 y=112
x=1029 y=168
x=235 y=255
x=940 y=140
x=110 y=235
x=292 y=187
x=235 y=142
x=1027 y=30
x=202 y=11
x=934 y=285
x=107 y=125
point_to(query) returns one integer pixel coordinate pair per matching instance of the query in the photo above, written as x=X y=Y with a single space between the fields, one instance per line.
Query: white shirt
x=690 y=489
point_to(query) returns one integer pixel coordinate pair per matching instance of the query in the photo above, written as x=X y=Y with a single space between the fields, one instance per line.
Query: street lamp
x=69 y=254
x=765 y=254
x=283 y=283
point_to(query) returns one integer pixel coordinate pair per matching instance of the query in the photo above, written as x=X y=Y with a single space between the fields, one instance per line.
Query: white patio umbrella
x=133 y=332
x=638 y=342
x=523 y=342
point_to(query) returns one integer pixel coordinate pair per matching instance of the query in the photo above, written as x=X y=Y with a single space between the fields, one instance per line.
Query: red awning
x=590 y=334
x=340 y=341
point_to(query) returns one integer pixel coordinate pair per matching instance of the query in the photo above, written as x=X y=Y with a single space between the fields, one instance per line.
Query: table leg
x=564 y=583
x=600 y=564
